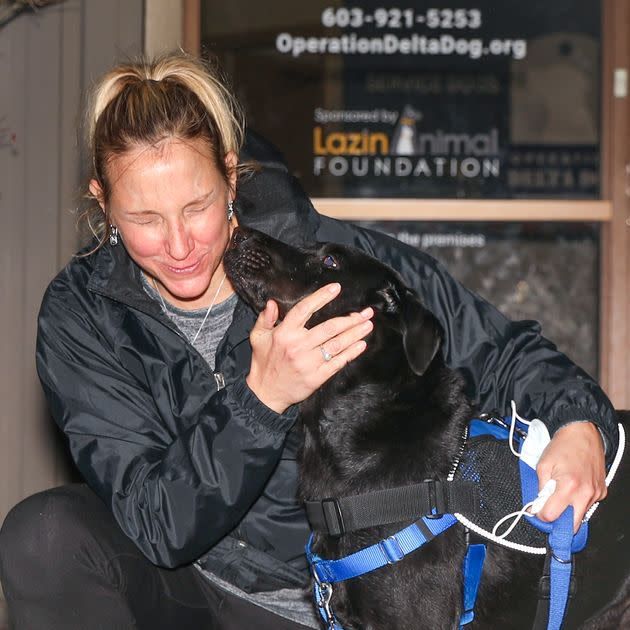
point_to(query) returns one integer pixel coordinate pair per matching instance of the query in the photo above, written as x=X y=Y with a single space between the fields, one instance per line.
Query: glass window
x=473 y=99
x=548 y=272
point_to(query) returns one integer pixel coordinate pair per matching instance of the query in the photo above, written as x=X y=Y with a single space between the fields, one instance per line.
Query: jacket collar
x=116 y=276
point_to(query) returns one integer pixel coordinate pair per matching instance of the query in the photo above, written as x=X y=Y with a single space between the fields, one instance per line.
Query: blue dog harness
x=336 y=516
x=387 y=551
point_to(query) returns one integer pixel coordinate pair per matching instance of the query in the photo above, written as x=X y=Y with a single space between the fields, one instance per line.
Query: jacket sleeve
x=174 y=493
x=501 y=360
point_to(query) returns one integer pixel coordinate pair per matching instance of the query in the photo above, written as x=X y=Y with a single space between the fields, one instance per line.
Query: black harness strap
x=544 y=594
x=392 y=505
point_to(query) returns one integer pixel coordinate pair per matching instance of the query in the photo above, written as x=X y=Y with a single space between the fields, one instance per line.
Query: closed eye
x=329 y=262
x=196 y=209
x=144 y=220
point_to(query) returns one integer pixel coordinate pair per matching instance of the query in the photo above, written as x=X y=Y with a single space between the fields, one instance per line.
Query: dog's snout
x=239 y=236
x=245 y=252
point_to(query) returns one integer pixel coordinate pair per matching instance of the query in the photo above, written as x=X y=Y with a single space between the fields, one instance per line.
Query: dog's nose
x=239 y=236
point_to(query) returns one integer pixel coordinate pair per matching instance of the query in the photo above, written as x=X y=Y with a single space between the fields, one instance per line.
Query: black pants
x=65 y=564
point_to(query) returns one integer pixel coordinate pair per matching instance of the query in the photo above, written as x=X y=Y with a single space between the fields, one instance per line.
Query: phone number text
x=354 y=17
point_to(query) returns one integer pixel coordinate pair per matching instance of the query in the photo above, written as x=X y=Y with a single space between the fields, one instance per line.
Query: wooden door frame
x=611 y=211
x=615 y=242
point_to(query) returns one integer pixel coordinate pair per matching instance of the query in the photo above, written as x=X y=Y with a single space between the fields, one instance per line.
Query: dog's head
x=262 y=268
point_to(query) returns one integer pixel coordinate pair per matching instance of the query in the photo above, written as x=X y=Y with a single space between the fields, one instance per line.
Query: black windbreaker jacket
x=192 y=464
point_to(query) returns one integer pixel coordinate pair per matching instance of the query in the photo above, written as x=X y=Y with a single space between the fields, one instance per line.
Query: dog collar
x=387 y=551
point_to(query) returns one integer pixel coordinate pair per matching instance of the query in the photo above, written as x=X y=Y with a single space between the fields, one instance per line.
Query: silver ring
x=327 y=356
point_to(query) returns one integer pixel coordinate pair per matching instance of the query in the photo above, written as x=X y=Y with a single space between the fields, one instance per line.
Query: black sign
x=468 y=100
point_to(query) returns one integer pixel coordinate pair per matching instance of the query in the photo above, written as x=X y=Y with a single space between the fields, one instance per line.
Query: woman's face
x=169 y=204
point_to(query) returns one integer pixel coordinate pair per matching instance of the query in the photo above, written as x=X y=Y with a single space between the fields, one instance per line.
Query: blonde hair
x=142 y=102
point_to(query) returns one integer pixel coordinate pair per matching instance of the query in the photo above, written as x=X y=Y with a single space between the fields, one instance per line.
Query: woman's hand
x=575 y=459
x=288 y=362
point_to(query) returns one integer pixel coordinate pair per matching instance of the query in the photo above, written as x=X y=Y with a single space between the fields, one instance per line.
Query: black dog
x=393 y=417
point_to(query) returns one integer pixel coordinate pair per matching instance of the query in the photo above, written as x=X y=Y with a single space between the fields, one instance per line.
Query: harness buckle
x=437 y=500
x=391 y=550
x=494 y=417
x=333 y=517
x=323 y=595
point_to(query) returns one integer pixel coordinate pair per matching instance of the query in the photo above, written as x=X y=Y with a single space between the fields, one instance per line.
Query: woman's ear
x=97 y=192
x=231 y=162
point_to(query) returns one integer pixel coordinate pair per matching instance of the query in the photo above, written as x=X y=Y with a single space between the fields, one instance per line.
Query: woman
x=179 y=405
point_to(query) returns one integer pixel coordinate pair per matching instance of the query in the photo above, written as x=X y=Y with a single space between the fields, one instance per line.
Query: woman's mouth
x=182 y=271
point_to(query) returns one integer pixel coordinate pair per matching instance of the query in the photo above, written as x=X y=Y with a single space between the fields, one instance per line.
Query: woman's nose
x=179 y=243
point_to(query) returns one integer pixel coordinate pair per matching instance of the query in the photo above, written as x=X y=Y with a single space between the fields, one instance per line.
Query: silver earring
x=230 y=212
x=113 y=235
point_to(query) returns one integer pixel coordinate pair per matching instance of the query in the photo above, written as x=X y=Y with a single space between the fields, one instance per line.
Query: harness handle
x=432 y=498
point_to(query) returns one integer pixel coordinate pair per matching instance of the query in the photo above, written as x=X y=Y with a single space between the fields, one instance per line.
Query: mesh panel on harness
x=489 y=462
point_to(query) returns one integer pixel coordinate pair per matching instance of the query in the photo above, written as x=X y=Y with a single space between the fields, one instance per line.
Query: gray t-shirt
x=294 y=604
x=191 y=323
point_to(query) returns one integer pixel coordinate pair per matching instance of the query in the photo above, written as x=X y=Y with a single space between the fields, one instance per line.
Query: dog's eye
x=329 y=262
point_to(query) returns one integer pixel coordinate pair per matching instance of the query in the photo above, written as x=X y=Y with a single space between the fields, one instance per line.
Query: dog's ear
x=421 y=333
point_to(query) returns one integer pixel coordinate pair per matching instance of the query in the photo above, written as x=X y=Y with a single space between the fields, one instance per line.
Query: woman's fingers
x=289 y=362
x=332 y=340
x=268 y=318
x=337 y=326
x=331 y=337
x=329 y=367
x=304 y=309
x=575 y=459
